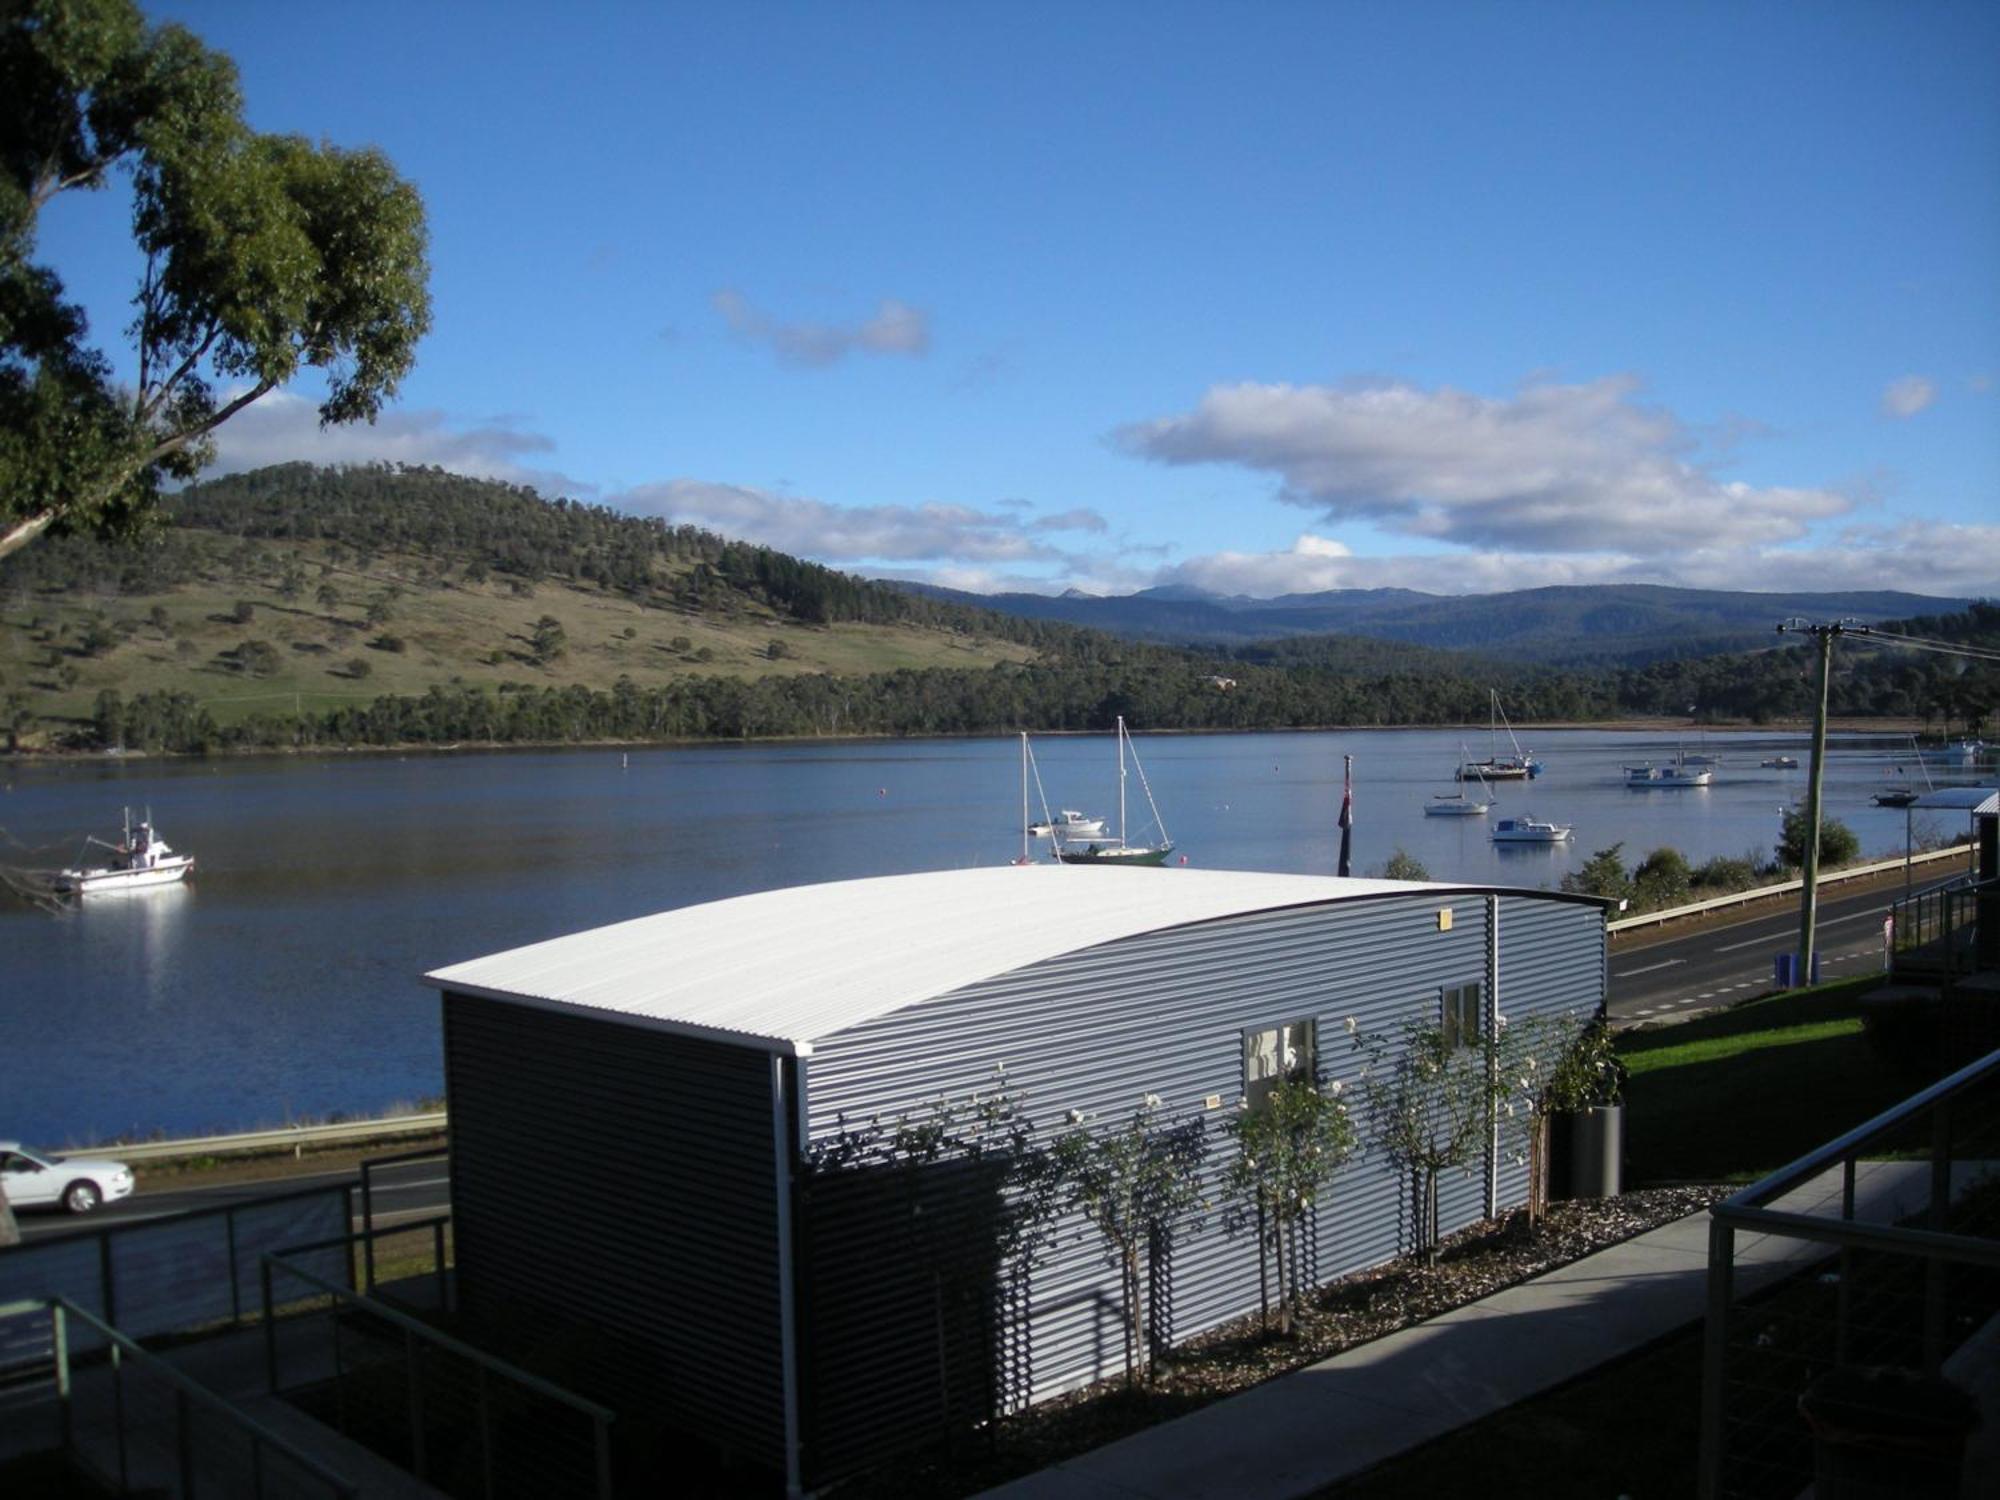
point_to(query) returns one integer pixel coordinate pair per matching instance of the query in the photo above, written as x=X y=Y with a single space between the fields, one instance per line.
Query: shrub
x=1721 y=875
x=1837 y=843
x=1603 y=874
x=1404 y=866
x=1662 y=879
x=258 y=658
x=394 y=644
x=244 y=612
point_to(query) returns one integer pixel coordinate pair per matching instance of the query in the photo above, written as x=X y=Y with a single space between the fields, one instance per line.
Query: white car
x=77 y=1183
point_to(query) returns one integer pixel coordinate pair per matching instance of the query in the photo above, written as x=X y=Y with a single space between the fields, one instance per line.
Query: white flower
x=1153 y=1101
x=1334 y=1088
x=1352 y=1026
x=1076 y=1117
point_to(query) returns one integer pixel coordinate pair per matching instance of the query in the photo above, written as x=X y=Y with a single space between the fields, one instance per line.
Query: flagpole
x=1347 y=818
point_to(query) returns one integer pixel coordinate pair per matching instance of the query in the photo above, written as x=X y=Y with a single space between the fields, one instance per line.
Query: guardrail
x=1960 y=852
x=297 y=1137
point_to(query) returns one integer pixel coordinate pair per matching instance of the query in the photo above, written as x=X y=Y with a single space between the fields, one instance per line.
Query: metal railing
x=1937 y=932
x=172 y=1274
x=369 y=1166
x=457 y=1417
x=118 y=1405
x=1904 y=1288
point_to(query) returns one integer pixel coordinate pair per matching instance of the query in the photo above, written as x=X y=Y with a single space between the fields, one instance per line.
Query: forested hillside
x=300 y=606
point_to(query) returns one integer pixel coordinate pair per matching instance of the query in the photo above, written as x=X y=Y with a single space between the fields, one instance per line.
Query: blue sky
x=1254 y=297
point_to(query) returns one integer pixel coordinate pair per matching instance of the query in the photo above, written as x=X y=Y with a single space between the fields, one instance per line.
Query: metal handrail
x=368 y=1166
x=123 y=1347
x=413 y=1329
x=445 y=1341
x=1746 y=1205
x=1747 y=1209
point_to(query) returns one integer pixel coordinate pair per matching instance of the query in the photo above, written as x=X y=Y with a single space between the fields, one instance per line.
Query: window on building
x=1461 y=1016
x=1274 y=1054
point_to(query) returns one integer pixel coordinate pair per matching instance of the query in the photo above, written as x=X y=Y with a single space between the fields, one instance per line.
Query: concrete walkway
x=1296 y=1434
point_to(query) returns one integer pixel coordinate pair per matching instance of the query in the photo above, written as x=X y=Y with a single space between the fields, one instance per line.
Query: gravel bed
x=1472 y=1264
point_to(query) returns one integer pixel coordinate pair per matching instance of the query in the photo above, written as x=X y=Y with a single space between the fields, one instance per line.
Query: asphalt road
x=1723 y=961
x=415 y=1190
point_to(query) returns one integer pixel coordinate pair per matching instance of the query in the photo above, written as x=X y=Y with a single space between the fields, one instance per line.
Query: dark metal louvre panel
x=1096 y=1030
x=1551 y=961
x=615 y=1213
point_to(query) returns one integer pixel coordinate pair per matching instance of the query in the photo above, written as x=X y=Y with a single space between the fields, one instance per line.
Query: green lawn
x=1736 y=1094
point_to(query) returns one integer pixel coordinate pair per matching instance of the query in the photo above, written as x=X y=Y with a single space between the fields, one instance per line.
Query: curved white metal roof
x=783 y=968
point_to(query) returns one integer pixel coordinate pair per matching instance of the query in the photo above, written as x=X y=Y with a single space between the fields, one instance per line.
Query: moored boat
x=1116 y=850
x=141 y=859
x=1529 y=831
x=1781 y=763
x=1519 y=766
x=1069 y=823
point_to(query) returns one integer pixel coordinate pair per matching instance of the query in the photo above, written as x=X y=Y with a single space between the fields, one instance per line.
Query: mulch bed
x=1472 y=1264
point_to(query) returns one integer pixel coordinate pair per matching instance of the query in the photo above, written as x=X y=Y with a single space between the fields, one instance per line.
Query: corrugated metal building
x=631 y=1107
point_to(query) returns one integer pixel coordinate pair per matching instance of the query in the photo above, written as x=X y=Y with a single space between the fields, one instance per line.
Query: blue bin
x=1787 y=966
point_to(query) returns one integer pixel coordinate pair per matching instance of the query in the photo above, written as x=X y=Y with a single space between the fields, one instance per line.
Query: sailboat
x=1903 y=791
x=1520 y=766
x=1117 y=851
x=1460 y=804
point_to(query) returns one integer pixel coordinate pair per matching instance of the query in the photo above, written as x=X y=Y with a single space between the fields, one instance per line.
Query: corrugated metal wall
x=614 y=1203
x=1095 y=1031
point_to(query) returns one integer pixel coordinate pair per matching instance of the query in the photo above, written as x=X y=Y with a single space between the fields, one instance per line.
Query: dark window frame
x=1462 y=1014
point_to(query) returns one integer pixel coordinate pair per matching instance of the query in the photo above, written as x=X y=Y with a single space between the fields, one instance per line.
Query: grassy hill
x=303 y=590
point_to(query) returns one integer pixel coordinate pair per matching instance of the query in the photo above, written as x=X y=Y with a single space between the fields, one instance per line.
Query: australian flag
x=1347 y=821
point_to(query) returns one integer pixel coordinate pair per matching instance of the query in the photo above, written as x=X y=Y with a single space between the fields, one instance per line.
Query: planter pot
x=1880 y=1432
x=1597 y=1152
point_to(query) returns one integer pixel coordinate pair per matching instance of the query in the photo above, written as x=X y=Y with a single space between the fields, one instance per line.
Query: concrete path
x=1296 y=1434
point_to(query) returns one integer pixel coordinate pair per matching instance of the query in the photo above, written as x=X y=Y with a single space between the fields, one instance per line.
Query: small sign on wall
x=1444 y=919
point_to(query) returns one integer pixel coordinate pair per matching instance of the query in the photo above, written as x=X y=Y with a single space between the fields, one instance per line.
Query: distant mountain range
x=1599 y=625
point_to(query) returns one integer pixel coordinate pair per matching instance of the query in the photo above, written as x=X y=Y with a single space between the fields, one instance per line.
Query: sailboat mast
x=1024 y=796
x=1121 y=781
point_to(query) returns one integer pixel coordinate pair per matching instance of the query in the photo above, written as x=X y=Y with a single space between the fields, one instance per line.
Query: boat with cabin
x=1070 y=824
x=139 y=860
x=1529 y=831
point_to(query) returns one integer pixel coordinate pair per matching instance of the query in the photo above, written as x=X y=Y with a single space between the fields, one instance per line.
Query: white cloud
x=284 y=428
x=816 y=529
x=1920 y=557
x=1906 y=397
x=896 y=328
x=1555 y=468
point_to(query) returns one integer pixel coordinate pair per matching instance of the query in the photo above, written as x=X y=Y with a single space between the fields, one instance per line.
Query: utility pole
x=1809 y=897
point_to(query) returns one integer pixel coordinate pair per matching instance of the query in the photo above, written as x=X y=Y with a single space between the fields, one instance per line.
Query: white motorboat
x=1781 y=763
x=1529 y=831
x=1682 y=770
x=142 y=858
x=1069 y=824
x=1684 y=773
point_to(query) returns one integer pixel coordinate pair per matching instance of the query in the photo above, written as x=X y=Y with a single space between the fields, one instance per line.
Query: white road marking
x=1649 y=969
x=1859 y=916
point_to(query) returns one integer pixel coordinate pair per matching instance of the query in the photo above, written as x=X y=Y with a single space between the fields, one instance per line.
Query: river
x=282 y=983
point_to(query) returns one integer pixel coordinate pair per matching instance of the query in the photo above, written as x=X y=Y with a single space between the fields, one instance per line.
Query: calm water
x=283 y=982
